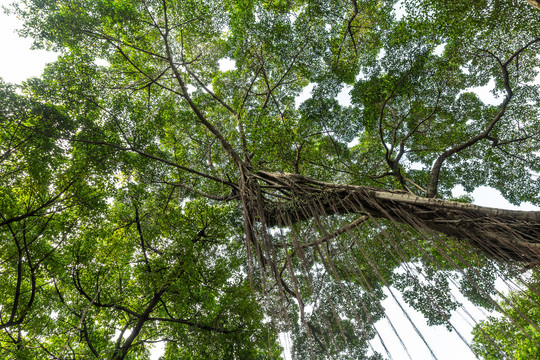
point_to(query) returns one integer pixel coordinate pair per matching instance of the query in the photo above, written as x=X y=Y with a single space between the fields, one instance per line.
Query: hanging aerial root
x=502 y=234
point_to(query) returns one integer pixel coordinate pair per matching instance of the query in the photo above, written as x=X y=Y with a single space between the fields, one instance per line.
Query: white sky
x=18 y=63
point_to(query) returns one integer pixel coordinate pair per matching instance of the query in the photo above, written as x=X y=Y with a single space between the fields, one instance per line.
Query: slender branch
x=143 y=318
x=435 y=171
x=231 y=110
x=113 y=40
x=150 y=156
x=43 y=206
x=88 y=341
x=141 y=238
x=83 y=315
x=95 y=301
x=224 y=143
x=420 y=123
x=212 y=94
x=331 y=236
x=251 y=86
x=194 y=324
x=521 y=49
x=383 y=107
x=197 y=191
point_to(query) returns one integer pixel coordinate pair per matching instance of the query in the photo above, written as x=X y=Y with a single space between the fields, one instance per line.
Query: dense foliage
x=511 y=336
x=149 y=193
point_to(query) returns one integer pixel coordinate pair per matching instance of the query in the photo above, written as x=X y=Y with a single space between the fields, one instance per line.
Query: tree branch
x=435 y=171
x=224 y=143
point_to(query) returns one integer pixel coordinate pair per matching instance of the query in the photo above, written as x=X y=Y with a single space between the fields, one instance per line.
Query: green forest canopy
x=161 y=198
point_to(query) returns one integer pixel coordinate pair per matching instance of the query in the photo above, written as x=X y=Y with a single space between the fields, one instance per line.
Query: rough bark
x=502 y=234
x=534 y=3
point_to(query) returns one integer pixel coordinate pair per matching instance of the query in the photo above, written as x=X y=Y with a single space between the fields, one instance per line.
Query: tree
x=70 y=262
x=211 y=199
x=499 y=337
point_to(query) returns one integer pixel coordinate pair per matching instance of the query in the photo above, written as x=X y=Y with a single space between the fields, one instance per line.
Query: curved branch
x=95 y=301
x=36 y=211
x=435 y=171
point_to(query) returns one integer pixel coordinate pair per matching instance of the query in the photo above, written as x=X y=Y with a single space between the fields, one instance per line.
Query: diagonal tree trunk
x=534 y=3
x=502 y=234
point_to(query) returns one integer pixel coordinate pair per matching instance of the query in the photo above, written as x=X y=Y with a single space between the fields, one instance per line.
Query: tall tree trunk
x=503 y=234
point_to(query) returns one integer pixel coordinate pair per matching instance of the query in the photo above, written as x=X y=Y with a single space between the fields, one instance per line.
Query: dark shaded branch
x=88 y=341
x=36 y=211
x=521 y=49
x=94 y=301
x=143 y=318
x=141 y=238
x=194 y=324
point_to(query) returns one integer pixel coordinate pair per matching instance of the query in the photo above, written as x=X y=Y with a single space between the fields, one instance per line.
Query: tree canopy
x=186 y=173
x=496 y=338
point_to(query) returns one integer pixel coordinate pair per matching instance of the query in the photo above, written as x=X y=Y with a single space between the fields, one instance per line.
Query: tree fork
x=502 y=234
